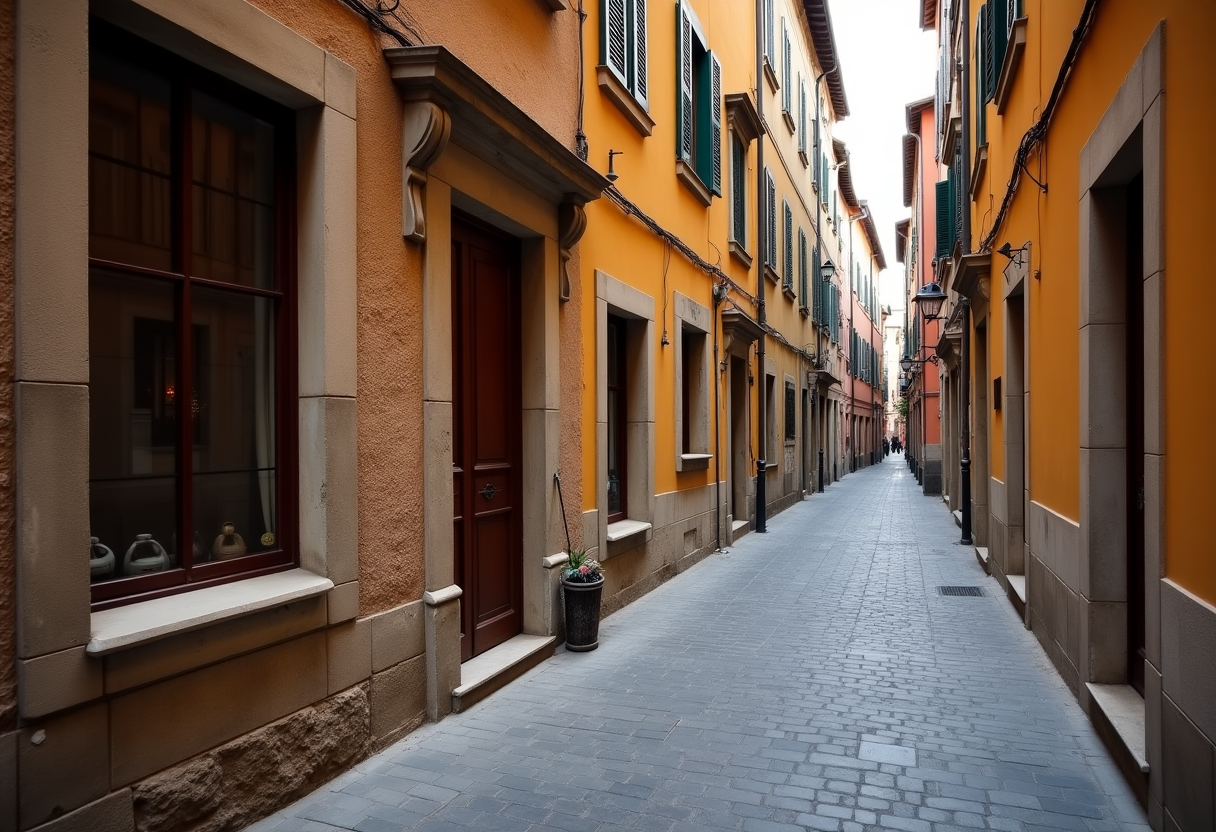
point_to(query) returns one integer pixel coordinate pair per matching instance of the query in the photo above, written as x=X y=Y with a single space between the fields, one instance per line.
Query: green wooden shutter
x=684 y=101
x=770 y=248
x=614 y=40
x=802 y=266
x=1000 y=36
x=640 y=79
x=942 y=215
x=982 y=32
x=715 y=125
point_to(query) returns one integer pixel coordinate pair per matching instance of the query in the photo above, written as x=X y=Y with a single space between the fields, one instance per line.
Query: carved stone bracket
x=425 y=130
x=571 y=224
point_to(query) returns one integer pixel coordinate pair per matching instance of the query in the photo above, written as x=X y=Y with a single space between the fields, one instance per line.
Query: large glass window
x=189 y=402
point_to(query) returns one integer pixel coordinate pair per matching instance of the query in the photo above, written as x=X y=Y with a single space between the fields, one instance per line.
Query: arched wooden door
x=486 y=440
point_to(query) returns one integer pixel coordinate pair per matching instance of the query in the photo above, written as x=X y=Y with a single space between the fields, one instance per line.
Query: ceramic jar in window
x=101 y=560
x=228 y=544
x=145 y=555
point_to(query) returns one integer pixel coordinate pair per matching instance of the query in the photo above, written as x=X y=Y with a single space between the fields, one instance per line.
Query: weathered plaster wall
x=8 y=618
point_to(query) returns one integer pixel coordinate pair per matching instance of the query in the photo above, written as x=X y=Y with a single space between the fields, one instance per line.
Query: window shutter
x=684 y=102
x=801 y=114
x=802 y=266
x=786 y=86
x=614 y=40
x=1013 y=12
x=715 y=123
x=738 y=191
x=770 y=249
x=768 y=31
x=988 y=68
x=960 y=200
x=981 y=76
x=814 y=156
x=817 y=295
x=639 y=53
x=789 y=246
x=942 y=214
x=999 y=11
x=823 y=180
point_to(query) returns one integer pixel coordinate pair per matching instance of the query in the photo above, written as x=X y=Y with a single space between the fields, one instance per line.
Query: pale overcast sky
x=887 y=62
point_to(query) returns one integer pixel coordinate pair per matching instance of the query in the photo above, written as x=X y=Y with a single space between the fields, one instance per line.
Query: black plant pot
x=582 y=614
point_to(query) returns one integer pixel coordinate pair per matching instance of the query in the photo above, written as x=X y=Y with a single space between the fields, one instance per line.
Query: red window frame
x=184 y=77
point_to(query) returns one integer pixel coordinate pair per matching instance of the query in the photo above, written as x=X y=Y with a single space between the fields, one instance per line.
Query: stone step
x=482 y=675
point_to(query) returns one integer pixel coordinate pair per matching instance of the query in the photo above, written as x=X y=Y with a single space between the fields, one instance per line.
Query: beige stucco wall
x=8 y=618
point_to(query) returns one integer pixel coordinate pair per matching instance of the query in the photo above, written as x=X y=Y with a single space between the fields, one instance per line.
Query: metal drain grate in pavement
x=963 y=591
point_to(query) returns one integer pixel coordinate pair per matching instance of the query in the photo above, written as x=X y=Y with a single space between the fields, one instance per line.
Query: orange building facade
x=1072 y=277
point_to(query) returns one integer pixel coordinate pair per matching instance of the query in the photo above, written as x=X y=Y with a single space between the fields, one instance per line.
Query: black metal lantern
x=929 y=300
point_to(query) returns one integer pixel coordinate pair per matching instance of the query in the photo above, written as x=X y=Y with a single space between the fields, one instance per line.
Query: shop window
x=189 y=470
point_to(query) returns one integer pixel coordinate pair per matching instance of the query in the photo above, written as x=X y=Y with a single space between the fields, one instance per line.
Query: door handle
x=488 y=491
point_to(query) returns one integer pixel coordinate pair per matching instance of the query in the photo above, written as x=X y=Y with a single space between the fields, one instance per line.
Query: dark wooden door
x=1135 y=434
x=486 y=438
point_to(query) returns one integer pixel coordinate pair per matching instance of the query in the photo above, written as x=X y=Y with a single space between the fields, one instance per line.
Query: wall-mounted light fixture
x=828 y=270
x=612 y=175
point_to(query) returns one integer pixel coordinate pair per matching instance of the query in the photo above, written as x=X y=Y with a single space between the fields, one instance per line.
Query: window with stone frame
x=191 y=480
x=698 y=108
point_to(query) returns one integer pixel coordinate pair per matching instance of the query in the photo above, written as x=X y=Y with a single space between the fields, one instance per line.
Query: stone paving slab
x=808 y=678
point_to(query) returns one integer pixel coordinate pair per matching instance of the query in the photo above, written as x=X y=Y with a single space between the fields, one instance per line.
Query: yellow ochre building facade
x=1077 y=125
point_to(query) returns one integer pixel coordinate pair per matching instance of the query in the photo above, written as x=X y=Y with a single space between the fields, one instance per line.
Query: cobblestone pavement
x=808 y=678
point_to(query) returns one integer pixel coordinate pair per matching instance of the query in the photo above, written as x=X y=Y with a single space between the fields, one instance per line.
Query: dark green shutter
x=802 y=266
x=715 y=125
x=770 y=248
x=942 y=215
x=787 y=91
x=684 y=101
x=801 y=114
x=768 y=31
x=982 y=36
x=1000 y=36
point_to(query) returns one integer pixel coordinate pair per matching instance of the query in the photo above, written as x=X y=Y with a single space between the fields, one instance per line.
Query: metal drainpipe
x=762 y=250
x=965 y=248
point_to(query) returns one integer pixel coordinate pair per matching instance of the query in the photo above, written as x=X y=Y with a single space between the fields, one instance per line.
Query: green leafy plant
x=581 y=569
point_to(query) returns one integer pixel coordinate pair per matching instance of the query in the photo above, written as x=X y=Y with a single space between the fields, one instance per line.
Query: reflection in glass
x=616 y=399
x=130 y=219
x=232 y=196
x=234 y=472
x=132 y=420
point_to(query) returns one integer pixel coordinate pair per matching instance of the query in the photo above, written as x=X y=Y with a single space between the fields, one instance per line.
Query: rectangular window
x=791 y=412
x=738 y=173
x=699 y=104
x=190 y=425
x=617 y=418
x=774 y=437
x=623 y=44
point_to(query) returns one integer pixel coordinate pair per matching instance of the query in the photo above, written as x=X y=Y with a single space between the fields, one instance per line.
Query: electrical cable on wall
x=375 y=19
x=1038 y=131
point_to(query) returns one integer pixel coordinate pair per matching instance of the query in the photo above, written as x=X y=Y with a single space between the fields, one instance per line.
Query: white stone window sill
x=693 y=462
x=123 y=627
x=622 y=529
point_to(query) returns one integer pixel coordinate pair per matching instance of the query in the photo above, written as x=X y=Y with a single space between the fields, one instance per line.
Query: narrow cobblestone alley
x=809 y=678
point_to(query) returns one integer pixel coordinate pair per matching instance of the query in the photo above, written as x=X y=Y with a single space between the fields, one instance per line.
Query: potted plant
x=582 y=587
